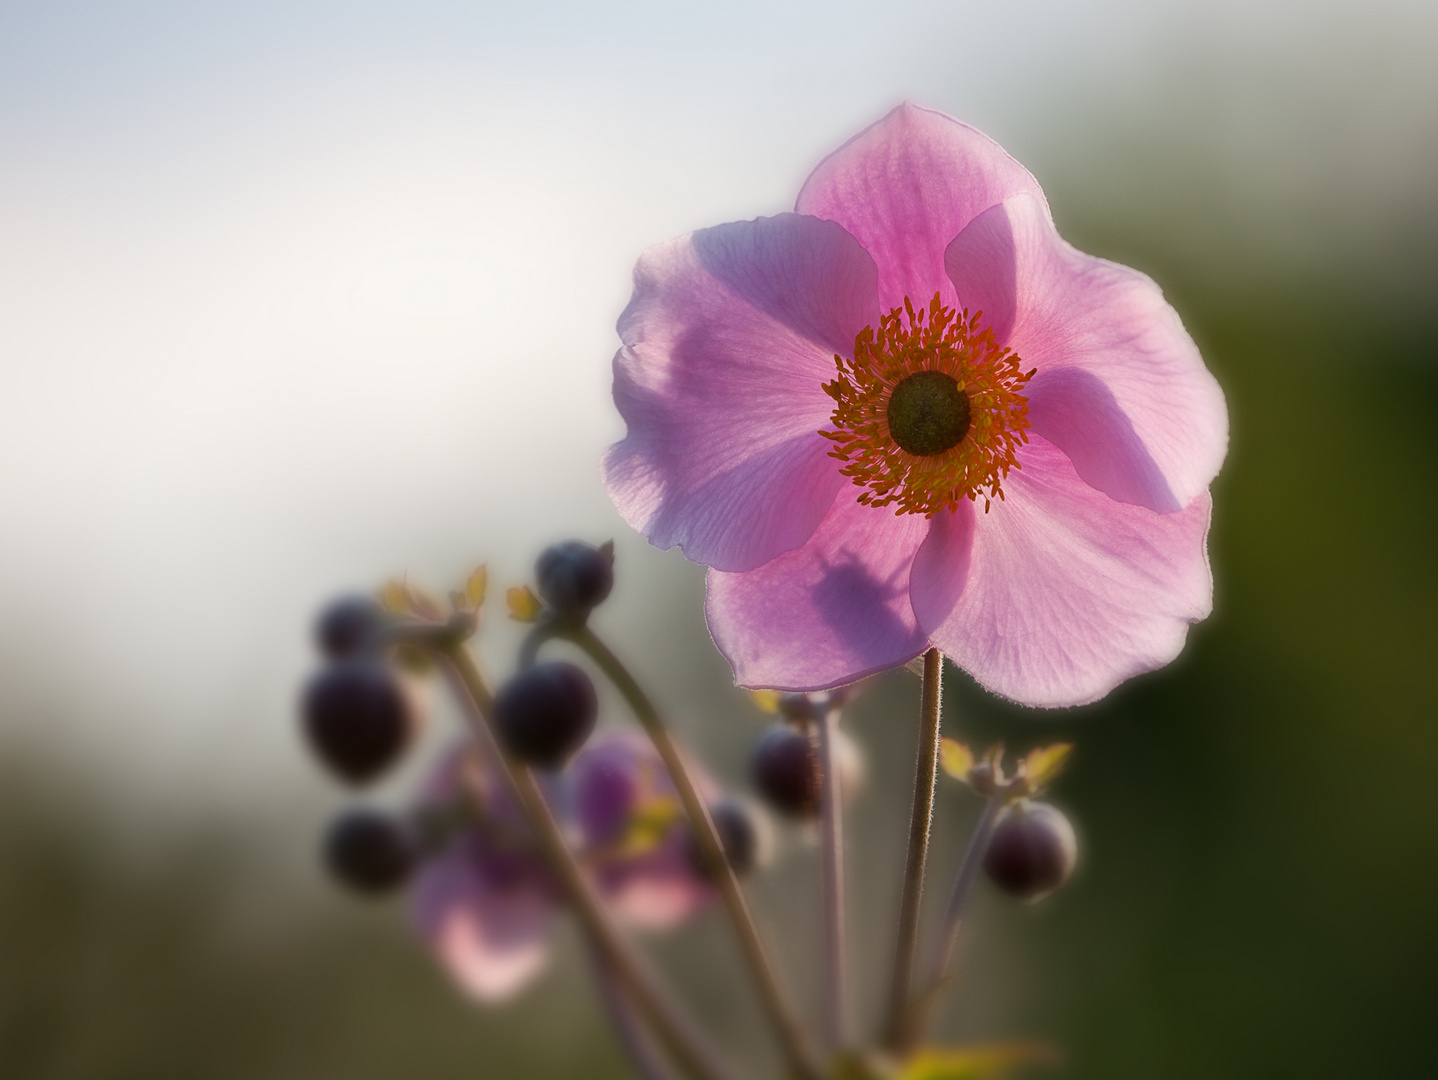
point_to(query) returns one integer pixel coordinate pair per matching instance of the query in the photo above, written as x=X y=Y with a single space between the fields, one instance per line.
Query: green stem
x=786 y=1026
x=836 y=986
x=918 y=1015
x=921 y=816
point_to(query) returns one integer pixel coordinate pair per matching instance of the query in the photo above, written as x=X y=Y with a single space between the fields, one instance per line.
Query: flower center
x=928 y=411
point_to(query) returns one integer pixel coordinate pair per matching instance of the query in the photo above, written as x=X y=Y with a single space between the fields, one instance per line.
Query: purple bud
x=574 y=577
x=369 y=851
x=1032 y=852
x=743 y=834
x=359 y=717
x=544 y=714
x=347 y=624
x=786 y=770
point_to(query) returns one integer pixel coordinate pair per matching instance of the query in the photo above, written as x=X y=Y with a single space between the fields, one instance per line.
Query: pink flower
x=910 y=414
x=487 y=903
x=633 y=832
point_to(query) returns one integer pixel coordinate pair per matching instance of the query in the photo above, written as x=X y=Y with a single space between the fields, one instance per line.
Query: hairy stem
x=640 y=984
x=786 y=1027
x=918 y=1014
x=836 y=990
x=925 y=777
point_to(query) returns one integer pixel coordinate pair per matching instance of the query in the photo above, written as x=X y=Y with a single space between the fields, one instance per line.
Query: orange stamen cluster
x=907 y=342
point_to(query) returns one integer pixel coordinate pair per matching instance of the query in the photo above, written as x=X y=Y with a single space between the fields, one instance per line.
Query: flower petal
x=906 y=187
x=490 y=931
x=1059 y=593
x=653 y=887
x=727 y=342
x=658 y=890
x=1120 y=387
x=830 y=613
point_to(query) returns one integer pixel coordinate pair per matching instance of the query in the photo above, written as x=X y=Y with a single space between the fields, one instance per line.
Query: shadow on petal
x=1076 y=411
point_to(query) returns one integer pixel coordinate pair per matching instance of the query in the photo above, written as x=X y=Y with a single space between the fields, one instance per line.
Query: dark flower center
x=928 y=413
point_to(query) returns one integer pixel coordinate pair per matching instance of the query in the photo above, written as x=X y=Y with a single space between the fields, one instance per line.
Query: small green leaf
x=524 y=606
x=957 y=758
x=1044 y=764
x=475 y=585
x=973 y=1062
x=766 y=700
x=393 y=598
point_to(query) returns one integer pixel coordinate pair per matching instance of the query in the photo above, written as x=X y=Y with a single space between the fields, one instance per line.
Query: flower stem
x=836 y=990
x=633 y=1036
x=918 y=1014
x=786 y=1026
x=639 y=982
x=925 y=778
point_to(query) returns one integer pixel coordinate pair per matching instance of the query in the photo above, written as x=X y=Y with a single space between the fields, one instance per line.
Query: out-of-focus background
x=294 y=296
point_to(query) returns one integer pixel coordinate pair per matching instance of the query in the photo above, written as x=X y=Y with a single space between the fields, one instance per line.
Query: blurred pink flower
x=487 y=902
x=910 y=414
x=632 y=832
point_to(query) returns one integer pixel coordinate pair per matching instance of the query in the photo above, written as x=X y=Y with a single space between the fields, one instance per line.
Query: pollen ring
x=928 y=411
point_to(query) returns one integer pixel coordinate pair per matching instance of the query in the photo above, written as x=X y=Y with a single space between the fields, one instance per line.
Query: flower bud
x=359 y=717
x=369 y=851
x=346 y=625
x=1032 y=851
x=743 y=834
x=544 y=714
x=797 y=707
x=574 y=577
x=786 y=770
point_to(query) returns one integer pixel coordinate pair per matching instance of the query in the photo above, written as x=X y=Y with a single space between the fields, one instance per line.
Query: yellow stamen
x=988 y=378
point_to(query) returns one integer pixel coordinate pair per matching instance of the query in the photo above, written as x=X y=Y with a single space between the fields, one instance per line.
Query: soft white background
x=295 y=295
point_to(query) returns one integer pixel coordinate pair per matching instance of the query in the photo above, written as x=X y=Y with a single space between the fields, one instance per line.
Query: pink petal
x=1059 y=593
x=659 y=887
x=830 y=613
x=491 y=934
x=906 y=187
x=658 y=890
x=730 y=335
x=1120 y=387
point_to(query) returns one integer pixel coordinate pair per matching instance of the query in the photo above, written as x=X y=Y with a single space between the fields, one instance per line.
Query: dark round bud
x=742 y=834
x=369 y=851
x=786 y=770
x=359 y=717
x=574 y=577
x=1032 y=852
x=797 y=707
x=545 y=713
x=346 y=625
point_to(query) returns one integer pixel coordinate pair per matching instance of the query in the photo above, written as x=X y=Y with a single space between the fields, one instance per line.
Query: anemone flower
x=910 y=415
x=487 y=902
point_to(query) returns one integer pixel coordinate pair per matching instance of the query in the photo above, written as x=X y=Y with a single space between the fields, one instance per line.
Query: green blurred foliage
x=145 y=970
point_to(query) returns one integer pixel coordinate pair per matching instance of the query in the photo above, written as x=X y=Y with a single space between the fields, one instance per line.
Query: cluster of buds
x=482 y=892
x=650 y=838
